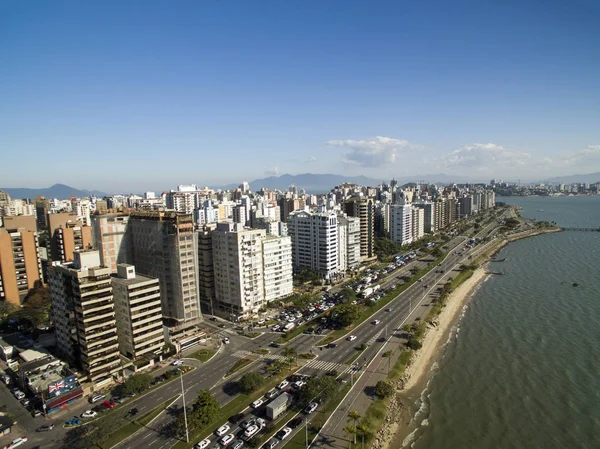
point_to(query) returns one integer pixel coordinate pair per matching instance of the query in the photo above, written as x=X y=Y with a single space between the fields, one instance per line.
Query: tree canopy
x=322 y=388
x=250 y=381
x=348 y=314
x=204 y=411
x=136 y=384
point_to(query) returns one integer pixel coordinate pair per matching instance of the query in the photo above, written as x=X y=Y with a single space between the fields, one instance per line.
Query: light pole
x=187 y=434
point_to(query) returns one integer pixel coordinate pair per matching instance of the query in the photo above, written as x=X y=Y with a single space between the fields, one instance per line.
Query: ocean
x=522 y=368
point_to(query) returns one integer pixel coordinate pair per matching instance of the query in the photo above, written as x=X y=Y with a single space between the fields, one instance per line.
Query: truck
x=288 y=327
x=278 y=406
x=376 y=288
x=367 y=292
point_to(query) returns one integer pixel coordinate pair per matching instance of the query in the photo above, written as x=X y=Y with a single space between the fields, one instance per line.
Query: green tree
x=277 y=367
x=414 y=344
x=204 y=411
x=318 y=387
x=383 y=389
x=348 y=314
x=136 y=383
x=354 y=417
x=351 y=432
x=250 y=381
x=36 y=306
x=363 y=431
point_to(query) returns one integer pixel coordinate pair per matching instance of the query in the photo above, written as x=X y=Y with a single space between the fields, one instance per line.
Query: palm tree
x=350 y=430
x=362 y=430
x=355 y=417
x=289 y=352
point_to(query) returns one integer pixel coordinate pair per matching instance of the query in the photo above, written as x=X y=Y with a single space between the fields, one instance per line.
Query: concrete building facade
x=364 y=209
x=277 y=267
x=110 y=238
x=401 y=224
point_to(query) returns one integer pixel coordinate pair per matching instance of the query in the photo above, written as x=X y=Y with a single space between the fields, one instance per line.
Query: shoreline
x=397 y=416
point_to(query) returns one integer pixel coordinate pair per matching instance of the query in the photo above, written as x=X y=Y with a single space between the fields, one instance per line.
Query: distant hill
x=321 y=183
x=570 y=179
x=59 y=191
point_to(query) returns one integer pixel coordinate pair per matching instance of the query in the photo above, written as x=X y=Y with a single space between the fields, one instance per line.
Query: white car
x=257 y=403
x=19 y=394
x=261 y=322
x=89 y=414
x=237 y=444
x=226 y=340
x=251 y=431
x=375 y=322
x=351 y=338
x=285 y=383
x=222 y=430
x=16 y=442
x=226 y=439
x=284 y=433
x=248 y=423
x=311 y=407
x=272 y=394
x=177 y=363
x=298 y=384
x=202 y=444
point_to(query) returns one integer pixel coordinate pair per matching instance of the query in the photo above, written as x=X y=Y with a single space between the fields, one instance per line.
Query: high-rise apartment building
x=238 y=269
x=277 y=267
x=401 y=231
x=165 y=247
x=84 y=316
x=67 y=234
x=364 y=209
x=20 y=265
x=138 y=313
x=418 y=223
x=429 y=221
x=349 y=230
x=314 y=241
x=206 y=271
x=111 y=238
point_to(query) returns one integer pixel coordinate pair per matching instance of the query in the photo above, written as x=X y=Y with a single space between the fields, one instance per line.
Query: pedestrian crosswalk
x=374 y=338
x=241 y=354
x=322 y=365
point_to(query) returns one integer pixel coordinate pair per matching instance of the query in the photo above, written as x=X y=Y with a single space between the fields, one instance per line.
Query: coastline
x=390 y=435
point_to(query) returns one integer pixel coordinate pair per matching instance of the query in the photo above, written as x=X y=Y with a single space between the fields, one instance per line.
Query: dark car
x=134 y=411
x=331 y=345
x=213 y=318
x=236 y=418
x=45 y=428
x=296 y=422
x=275 y=345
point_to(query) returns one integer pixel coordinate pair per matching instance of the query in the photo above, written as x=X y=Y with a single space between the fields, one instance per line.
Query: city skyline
x=111 y=96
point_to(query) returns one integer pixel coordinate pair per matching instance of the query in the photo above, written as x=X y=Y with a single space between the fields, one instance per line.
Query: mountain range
x=59 y=191
x=571 y=179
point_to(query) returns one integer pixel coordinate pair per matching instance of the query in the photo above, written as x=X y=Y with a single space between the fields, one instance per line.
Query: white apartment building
x=429 y=221
x=238 y=269
x=82 y=209
x=418 y=223
x=138 y=313
x=401 y=223
x=349 y=230
x=314 y=241
x=17 y=207
x=84 y=315
x=278 y=272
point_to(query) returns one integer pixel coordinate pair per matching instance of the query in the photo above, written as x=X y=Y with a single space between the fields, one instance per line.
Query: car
x=97 y=398
x=380 y=340
x=236 y=418
x=375 y=322
x=283 y=384
x=134 y=411
x=45 y=428
x=261 y=321
x=297 y=385
x=331 y=346
x=202 y=444
x=108 y=404
x=251 y=431
x=212 y=318
x=226 y=340
x=272 y=394
x=275 y=345
x=25 y=402
x=311 y=407
x=295 y=422
x=284 y=433
x=261 y=422
x=35 y=413
x=222 y=430
x=16 y=442
x=257 y=403
x=226 y=439
x=237 y=444
x=270 y=444
x=18 y=394
x=248 y=423
x=389 y=309
x=89 y=414
x=177 y=363
x=351 y=338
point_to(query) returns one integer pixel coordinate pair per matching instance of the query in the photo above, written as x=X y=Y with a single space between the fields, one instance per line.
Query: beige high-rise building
x=20 y=265
x=206 y=271
x=138 y=313
x=165 y=246
x=110 y=237
x=67 y=235
x=364 y=209
x=84 y=316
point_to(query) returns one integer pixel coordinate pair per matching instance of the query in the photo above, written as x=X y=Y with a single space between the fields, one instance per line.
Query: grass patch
x=135 y=425
x=250 y=334
x=203 y=355
x=261 y=351
x=238 y=365
x=307 y=355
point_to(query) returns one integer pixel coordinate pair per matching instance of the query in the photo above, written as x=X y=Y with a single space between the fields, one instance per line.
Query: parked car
x=295 y=422
x=270 y=444
x=134 y=411
x=283 y=384
x=108 y=404
x=89 y=414
x=275 y=345
x=35 y=413
x=311 y=407
x=272 y=394
x=177 y=363
x=226 y=340
x=202 y=444
x=236 y=418
x=257 y=403
x=45 y=428
x=251 y=431
x=16 y=442
x=97 y=398
x=284 y=433
x=222 y=430
x=237 y=444
x=226 y=439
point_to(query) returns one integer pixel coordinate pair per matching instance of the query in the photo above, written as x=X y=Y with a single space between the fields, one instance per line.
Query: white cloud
x=311 y=159
x=272 y=171
x=483 y=157
x=372 y=152
x=589 y=155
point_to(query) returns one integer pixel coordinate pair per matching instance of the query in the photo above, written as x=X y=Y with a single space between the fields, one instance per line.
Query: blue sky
x=127 y=96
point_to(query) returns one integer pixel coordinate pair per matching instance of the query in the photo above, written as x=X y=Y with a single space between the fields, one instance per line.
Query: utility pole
x=187 y=434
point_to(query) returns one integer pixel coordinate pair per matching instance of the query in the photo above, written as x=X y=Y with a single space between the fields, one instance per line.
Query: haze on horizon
x=127 y=96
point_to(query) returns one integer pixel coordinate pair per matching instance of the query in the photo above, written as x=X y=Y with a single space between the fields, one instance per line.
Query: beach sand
x=420 y=366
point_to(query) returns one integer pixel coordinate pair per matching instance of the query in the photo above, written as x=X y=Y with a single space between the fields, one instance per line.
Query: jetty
x=497 y=273
x=582 y=229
